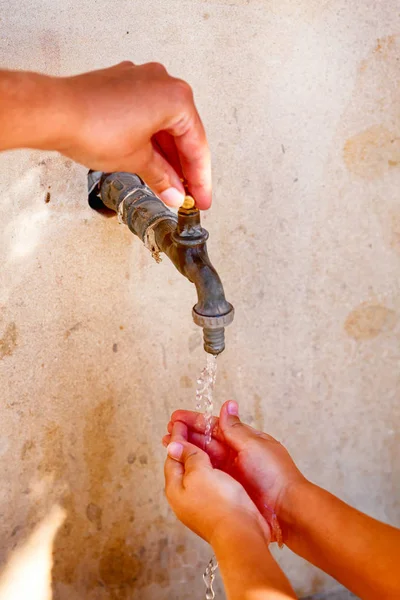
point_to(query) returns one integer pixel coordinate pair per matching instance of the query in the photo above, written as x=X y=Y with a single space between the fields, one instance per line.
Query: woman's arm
x=32 y=110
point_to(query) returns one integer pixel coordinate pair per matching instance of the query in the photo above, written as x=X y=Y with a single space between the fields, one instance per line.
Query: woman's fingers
x=165 y=143
x=161 y=177
x=194 y=154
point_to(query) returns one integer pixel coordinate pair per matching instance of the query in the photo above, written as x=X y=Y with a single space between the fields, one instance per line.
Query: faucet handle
x=188 y=202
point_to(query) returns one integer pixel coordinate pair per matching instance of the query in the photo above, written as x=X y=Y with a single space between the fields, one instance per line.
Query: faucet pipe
x=180 y=237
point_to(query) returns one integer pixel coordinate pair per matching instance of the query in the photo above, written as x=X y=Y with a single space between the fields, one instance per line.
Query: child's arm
x=358 y=551
x=218 y=509
x=247 y=567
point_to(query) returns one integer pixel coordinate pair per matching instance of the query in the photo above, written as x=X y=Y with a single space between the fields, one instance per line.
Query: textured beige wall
x=301 y=100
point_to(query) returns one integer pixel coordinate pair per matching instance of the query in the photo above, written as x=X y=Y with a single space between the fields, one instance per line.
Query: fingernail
x=172 y=197
x=175 y=450
x=233 y=409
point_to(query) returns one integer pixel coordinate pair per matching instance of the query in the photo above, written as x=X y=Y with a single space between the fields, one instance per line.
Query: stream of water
x=205 y=394
x=205 y=403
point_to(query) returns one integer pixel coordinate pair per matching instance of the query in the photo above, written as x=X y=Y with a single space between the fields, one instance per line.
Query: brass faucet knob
x=188 y=203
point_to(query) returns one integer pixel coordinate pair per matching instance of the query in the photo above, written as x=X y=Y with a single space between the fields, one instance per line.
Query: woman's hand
x=124 y=118
x=256 y=460
x=207 y=500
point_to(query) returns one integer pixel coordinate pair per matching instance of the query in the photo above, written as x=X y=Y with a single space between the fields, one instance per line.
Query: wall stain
x=99 y=448
x=367 y=321
x=72 y=329
x=91 y=553
x=8 y=342
x=131 y=458
x=94 y=514
x=186 y=382
x=78 y=545
x=119 y=568
x=385 y=46
x=53 y=458
x=27 y=448
x=374 y=151
x=101 y=548
x=371 y=153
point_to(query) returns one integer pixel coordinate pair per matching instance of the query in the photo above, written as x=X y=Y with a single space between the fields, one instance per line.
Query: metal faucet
x=181 y=237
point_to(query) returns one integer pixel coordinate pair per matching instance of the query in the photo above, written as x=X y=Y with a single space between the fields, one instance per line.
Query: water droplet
x=209 y=576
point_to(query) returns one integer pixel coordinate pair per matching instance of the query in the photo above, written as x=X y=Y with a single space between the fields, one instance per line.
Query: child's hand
x=206 y=500
x=256 y=460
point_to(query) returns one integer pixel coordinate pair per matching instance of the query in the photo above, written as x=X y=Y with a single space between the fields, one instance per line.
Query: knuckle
x=157 y=68
x=192 y=453
x=126 y=63
x=237 y=425
x=182 y=91
x=158 y=181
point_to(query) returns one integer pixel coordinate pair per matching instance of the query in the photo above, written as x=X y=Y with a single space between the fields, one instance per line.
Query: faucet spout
x=186 y=247
x=180 y=237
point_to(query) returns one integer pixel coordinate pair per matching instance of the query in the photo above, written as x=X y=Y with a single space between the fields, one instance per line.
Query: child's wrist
x=292 y=510
x=241 y=528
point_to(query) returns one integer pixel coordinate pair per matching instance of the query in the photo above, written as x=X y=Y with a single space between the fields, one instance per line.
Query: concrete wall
x=301 y=103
